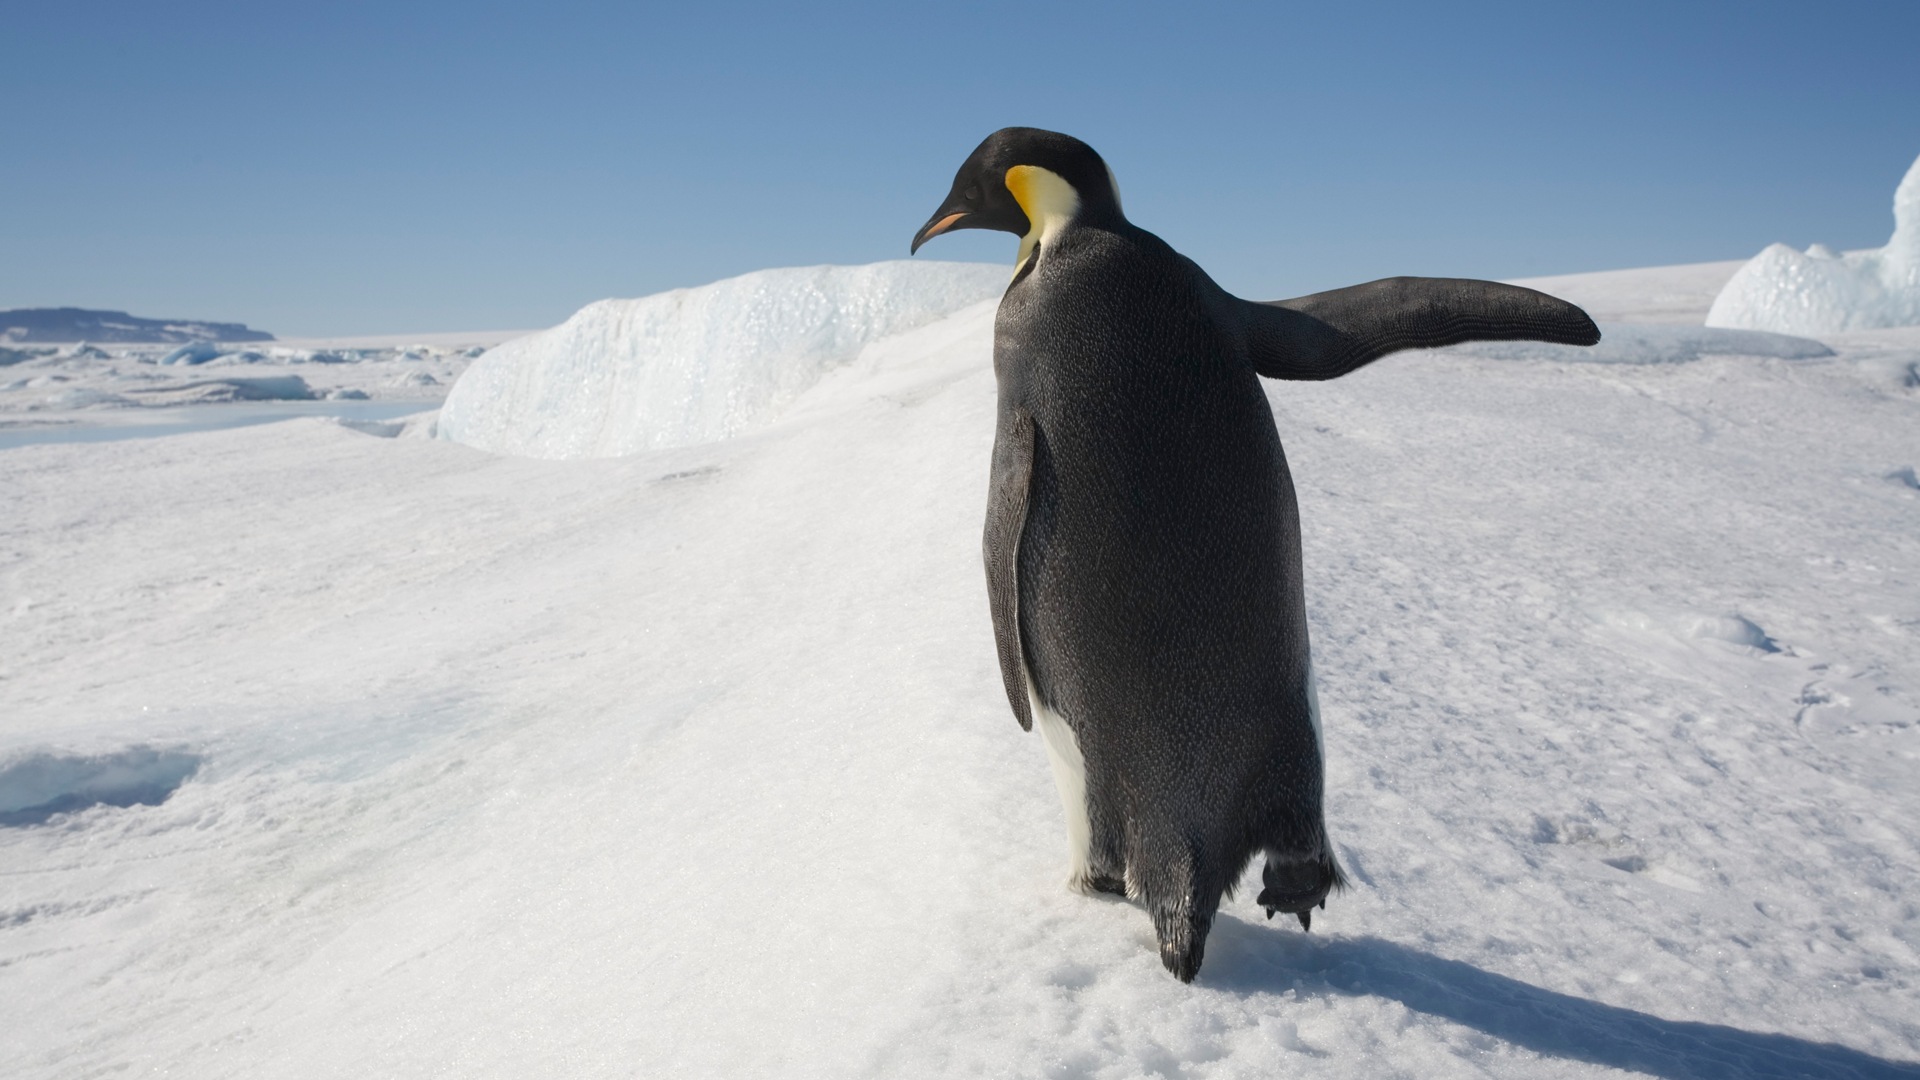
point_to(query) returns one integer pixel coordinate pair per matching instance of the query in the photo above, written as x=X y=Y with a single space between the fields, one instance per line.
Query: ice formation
x=35 y=785
x=1820 y=291
x=194 y=352
x=694 y=365
x=209 y=391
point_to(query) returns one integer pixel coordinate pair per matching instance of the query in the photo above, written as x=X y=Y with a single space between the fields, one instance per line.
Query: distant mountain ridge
x=65 y=324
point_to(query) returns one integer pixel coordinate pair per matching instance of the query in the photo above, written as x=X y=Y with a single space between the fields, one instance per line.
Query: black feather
x=1328 y=334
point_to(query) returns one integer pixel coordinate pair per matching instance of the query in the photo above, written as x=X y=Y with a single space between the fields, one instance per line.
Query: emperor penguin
x=1142 y=537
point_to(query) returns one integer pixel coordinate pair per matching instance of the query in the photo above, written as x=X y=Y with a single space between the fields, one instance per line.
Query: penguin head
x=1021 y=180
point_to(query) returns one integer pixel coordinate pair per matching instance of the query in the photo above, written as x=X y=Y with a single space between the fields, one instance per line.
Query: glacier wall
x=1821 y=291
x=694 y=365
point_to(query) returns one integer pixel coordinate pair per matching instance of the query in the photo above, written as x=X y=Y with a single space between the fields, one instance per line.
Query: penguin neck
x=1029 y=244
x=1052 y=205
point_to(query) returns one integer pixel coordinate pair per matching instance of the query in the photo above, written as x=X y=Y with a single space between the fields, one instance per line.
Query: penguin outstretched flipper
x=1006 y=517
x=1328 y=334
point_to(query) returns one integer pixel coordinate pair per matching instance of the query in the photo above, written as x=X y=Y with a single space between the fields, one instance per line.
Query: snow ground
x=695 y=762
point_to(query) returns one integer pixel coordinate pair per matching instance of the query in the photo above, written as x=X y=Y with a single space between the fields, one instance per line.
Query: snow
x=339 y=754
x=1626 y=343
x=693 y=365
x=1821 y=291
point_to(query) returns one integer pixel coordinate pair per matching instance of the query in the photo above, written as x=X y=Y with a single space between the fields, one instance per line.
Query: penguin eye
x=972 y=194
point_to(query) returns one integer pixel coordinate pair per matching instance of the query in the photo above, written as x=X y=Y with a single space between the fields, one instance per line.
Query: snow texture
x=695 y=762
x=1821 y=291
x=694 y=365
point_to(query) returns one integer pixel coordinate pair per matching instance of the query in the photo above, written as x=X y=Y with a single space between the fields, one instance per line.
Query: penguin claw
x=1305 y=917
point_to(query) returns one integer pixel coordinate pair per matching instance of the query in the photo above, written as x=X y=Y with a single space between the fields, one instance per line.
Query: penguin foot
x=1105 y=884
x=1298 y=887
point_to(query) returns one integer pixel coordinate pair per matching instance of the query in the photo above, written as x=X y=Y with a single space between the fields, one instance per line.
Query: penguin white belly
x=1070 y=776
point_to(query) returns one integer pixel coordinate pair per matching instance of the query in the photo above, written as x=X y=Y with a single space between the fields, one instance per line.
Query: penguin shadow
x=1247 y=958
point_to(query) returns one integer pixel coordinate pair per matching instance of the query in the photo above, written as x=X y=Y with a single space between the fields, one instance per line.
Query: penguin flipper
x=1328 y=334
x=1006 y=519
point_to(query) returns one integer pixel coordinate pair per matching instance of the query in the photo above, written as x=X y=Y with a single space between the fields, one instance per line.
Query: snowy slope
x=695 y=762
x=1657 y=294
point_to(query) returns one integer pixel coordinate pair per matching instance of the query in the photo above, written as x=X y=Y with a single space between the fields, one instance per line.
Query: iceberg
x=212 y=391
x=694 y=365
x=194 y=352
x=1821 y=291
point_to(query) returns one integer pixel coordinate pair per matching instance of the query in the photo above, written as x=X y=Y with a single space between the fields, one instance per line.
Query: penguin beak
x=942 y=220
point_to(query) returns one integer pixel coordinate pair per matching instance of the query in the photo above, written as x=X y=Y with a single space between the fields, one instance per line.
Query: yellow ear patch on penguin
x=1045 y=196
x=1048 y=201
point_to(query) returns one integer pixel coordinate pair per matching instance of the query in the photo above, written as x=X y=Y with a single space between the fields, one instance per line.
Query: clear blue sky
x=340 y=168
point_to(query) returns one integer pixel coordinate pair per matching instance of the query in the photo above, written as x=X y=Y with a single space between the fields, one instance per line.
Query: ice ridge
x=694 y=365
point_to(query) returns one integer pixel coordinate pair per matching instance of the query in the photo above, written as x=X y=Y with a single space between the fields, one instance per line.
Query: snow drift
x=1821 y=291
x=694 y=365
